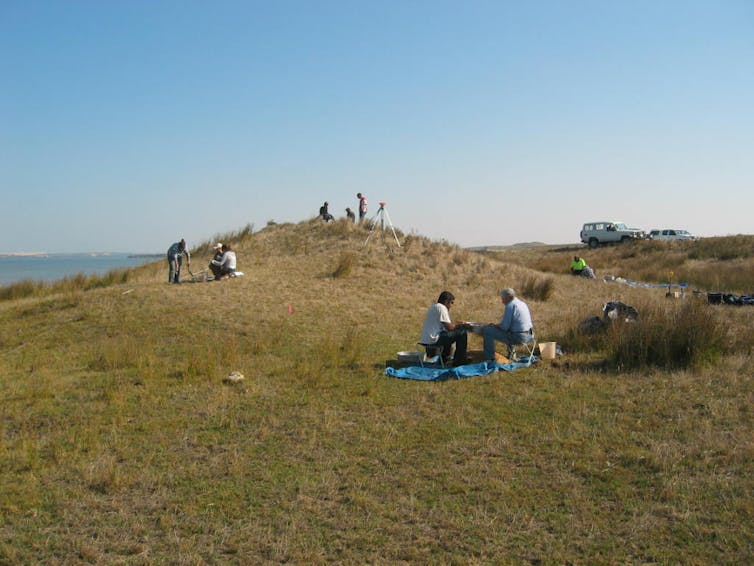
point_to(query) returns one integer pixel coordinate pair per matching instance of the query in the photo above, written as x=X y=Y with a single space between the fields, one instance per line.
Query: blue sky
x=127 y=125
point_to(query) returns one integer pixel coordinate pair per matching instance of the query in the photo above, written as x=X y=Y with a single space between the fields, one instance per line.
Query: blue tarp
x=440 y=374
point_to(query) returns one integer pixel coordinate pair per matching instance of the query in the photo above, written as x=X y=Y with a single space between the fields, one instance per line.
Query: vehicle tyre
x=593 y=243
x=625 y=239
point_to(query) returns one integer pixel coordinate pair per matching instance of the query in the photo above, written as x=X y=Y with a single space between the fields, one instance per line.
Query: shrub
x=683 y=336
x=21 y=289
x=723 y=248
x=345 y=265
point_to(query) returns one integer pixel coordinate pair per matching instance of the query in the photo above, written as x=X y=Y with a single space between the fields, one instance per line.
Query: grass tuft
x=685 y=337
x=537 y=287
x=345 y=265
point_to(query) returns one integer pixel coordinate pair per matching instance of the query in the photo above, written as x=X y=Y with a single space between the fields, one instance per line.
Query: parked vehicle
x=670 y=234
x=605 y=232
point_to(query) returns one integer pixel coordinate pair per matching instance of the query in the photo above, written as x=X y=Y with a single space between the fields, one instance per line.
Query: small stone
x=234 y=377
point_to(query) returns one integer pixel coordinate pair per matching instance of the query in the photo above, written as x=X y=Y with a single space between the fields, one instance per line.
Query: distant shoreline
x=23 y=254
x=45 y=266
x=89 y=254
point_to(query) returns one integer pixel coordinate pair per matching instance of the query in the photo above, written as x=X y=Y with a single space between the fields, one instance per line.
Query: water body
x=52 y=267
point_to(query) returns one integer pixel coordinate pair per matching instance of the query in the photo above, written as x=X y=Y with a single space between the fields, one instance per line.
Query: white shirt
x=433 y=323
x=228 y=260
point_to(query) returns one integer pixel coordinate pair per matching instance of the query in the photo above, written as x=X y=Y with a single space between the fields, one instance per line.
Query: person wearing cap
x=175 y=259
x=438 y=330
x=350 y=215
x=324 y=213
x=226 y=265
x=362 y=206
x=216 y=259
x=514 y=328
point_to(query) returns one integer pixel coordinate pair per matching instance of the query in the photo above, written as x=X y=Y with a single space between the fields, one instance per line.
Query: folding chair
x=432 y=354
x=528 y=346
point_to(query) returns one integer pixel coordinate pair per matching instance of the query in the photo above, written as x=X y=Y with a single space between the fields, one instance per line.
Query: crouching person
x=225 y=266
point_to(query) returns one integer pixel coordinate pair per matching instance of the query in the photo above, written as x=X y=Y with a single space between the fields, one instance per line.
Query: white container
x=547 y=350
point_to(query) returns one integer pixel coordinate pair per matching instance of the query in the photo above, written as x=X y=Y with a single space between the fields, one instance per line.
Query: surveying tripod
x=383 y=217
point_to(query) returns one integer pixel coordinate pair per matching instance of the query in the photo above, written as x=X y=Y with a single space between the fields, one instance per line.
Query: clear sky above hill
x=127 y=125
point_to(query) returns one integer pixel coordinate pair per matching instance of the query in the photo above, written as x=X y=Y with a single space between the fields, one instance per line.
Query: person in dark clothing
x=175 y=260
x=324 y=213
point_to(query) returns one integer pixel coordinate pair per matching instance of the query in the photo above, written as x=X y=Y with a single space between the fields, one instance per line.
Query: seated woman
x=225 y=266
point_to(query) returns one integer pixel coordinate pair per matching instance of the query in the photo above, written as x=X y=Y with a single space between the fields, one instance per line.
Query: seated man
x=325 y=213
x=225 y=266
x=515 y=327
x=440 y=331
x=577 y=265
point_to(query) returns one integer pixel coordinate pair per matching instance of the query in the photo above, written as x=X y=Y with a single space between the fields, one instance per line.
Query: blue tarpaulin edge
x=441 y=374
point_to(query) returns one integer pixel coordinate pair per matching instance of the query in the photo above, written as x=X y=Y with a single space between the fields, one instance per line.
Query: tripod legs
x=383 y=216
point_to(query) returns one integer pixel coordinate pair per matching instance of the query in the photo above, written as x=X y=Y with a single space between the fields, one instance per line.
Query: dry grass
x=120 y=442
x=724 y=264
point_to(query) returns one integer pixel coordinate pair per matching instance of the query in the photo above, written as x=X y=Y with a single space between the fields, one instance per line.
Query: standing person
x=362 y=206
x=350 y=215
x=226 y=265
x=440 y=331
x=175 y=260
x=515 y=327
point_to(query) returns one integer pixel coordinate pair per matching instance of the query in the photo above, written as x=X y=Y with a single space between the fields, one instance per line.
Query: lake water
x=52 y=267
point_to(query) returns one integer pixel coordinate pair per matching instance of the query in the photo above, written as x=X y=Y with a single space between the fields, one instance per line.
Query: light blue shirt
x=516 y=317
x=175 y=250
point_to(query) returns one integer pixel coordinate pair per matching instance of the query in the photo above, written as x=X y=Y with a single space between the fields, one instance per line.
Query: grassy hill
x=122 y=443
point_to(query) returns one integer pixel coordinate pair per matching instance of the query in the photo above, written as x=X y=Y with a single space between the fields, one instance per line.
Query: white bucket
x=547 y=350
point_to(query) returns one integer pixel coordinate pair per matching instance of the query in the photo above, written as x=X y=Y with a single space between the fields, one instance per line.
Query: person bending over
x=514 y=328
x=175 y=260
x=438 y=330
x=225 y=266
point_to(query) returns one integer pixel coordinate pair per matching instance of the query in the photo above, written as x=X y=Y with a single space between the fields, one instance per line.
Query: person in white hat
x=214 y=264
x=226 y=265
